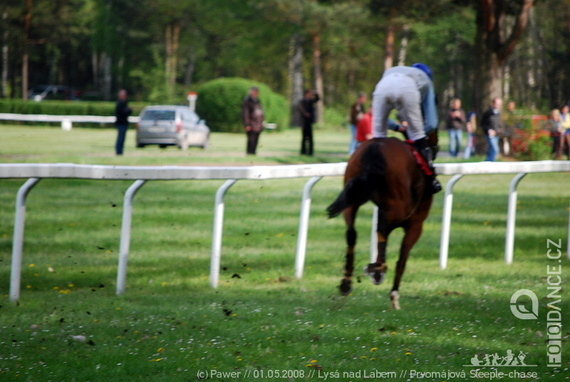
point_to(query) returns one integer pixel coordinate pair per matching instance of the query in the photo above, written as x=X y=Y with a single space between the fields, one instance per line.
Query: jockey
x=408 y=89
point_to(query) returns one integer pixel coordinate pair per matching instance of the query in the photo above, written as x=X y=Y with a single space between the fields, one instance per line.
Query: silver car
x=171 y=126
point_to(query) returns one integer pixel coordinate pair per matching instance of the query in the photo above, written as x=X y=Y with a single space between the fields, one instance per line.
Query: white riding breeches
x=400 y=92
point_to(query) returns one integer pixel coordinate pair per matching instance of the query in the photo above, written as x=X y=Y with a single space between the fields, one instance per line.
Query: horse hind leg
x=346 y=283
x=345 y=286
x=395 y=299
x=411 y=236
x=378 y=270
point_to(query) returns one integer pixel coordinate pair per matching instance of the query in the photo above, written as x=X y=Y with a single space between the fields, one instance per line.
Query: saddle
x=420 y=160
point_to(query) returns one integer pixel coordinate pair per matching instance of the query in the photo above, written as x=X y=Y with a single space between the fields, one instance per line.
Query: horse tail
x=358 y=190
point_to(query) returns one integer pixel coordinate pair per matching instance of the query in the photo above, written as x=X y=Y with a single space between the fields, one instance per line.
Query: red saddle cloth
x=419 y=158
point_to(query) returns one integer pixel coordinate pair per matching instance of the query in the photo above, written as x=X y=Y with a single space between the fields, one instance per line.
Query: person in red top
x=364 y=128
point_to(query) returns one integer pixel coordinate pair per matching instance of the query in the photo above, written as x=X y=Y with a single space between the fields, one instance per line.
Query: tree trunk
x=318 y=75
x=189 y=72
x=390 y=32
x=5 y=59
x=95 y=69
x=296 y=76
x=403 y=51
x=174 y=61
x=168 y=56
x=488 y=69
x=172 y=37
x=107 y=77
x=26 y=55
x=494 y=42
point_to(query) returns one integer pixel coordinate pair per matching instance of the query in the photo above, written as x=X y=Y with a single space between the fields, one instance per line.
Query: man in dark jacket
x=122 y=113
x=490 y=123
x=252 y=116
x=307 y=110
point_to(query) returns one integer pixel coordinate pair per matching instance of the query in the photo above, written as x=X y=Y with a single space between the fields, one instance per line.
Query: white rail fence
x=35 y=172
x=66 y=121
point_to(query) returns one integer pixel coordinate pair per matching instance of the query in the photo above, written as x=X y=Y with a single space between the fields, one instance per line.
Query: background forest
x=160 y=50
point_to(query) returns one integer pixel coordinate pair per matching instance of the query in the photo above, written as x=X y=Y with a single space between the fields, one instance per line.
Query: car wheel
x=184 y=144
x=206 y=143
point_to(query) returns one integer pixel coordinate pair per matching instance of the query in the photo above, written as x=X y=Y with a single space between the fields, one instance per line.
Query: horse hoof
x=395 y=299
x=376 y=273
x=377 y=278
x=345 y=287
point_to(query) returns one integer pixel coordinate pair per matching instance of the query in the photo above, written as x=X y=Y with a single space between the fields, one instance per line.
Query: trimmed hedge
x=219 y=103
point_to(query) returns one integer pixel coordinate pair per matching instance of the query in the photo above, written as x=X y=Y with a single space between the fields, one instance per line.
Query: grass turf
x=261 y=323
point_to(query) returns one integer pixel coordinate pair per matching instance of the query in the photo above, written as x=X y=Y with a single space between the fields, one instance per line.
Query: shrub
x=333 y=119
x=531 y=144
x=219 y=103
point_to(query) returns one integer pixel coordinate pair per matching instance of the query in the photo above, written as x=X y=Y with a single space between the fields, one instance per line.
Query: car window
x=158 y=115
x=189 y=116
x=185 y=115
x=194 y=117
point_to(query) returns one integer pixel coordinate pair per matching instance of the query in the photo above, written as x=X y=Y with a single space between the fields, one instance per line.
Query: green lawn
x=261 y=323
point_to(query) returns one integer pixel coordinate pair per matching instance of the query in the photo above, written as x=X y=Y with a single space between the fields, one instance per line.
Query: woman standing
x=455 y=123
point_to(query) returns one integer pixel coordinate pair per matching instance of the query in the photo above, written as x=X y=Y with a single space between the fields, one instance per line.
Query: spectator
x=122 y=113
x=455 y=123
x=252 y=116
x=510 y=123
x=307 y=110
x=471 y=127
x=357 y=111
x=490 y=123
x=565 y=119
x=555 y=127
x=364 y=128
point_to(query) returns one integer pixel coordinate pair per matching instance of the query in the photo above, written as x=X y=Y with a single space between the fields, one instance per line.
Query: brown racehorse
x=385 y=171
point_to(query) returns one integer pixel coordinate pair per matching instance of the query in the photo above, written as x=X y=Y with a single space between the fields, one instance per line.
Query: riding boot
x=425 y=151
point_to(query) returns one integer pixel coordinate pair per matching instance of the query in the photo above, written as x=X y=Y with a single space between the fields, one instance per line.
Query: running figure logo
x=510 y=359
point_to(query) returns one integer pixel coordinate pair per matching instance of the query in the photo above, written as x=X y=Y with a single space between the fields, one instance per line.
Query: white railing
x=66 y=121
x=141 y=174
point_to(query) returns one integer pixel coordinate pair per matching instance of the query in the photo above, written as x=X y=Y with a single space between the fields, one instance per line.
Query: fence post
x=511 y=217
x=218 y=231
x=304 y=226
x=446 y=220
x=126 y=235
x=66 y=124
x=374 y=236
x=18 y=239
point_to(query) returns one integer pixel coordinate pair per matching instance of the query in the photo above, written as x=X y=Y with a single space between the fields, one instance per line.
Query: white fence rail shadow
x=141 y=174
